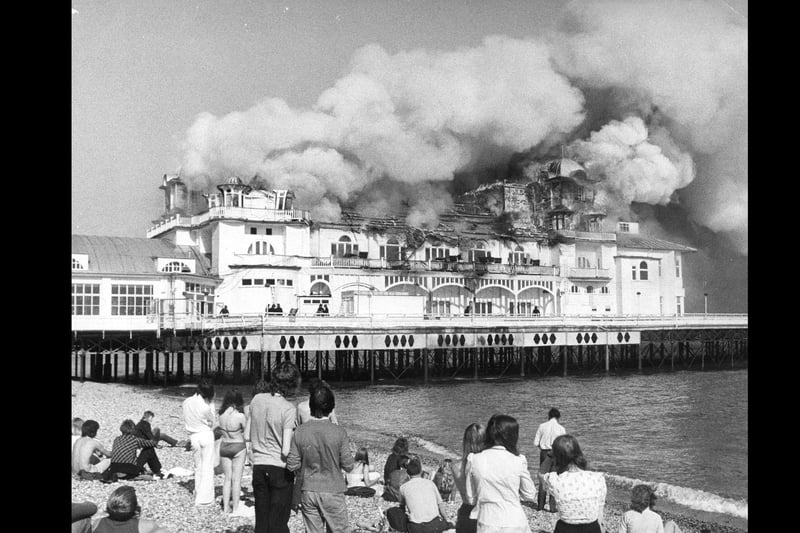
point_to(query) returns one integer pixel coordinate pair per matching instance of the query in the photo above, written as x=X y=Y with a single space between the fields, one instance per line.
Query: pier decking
x=242 y=348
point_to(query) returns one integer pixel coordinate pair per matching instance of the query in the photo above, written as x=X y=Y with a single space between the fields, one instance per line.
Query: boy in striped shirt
x=123 y=452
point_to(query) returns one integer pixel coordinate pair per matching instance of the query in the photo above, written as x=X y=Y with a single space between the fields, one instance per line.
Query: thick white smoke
x=415 y=117
x=675 y=119
x=688 y=60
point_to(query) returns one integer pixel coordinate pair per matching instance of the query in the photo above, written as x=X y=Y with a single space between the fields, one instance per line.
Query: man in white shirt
x=198 y=415
x=545 y=435
x=427 y=512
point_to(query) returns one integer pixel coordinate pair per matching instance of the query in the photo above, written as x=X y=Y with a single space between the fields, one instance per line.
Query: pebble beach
x=170 y=502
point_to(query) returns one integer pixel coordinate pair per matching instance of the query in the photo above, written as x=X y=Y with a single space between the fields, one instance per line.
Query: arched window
x=574 y=288
x=583 y=262
x=518 y=256
x=320 y=289
x=76 y=265
x=589 y=289
x=176 y=266
x=477 y=253
x=344 y=248
x=260 y=248
x=391 y=251
x=643 y=270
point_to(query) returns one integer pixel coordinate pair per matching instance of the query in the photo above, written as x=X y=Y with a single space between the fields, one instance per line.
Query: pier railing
x=267 y=322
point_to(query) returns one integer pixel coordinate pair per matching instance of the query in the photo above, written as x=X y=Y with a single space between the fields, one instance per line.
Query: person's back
x=421 y=498
x=645 y=522
x=325 y=452
x=269 y=415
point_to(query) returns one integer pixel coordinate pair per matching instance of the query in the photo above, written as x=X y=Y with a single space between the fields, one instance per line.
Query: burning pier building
x=533 y=246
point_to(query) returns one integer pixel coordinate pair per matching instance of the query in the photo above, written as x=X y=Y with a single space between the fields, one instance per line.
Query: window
x=574 y=288
x=589 y=289
x=320 y=289
x=391 y=251
x=677 y=266
x=253 y=231
x=77 y=265
x=131 y=299
x=604 y=290
x=624 y=227
x=176 y=266
x=289 y=283
x=344 y=248
x=678 y=306
x=247 y=282
x=200 y=298
x=643 y=271
x=270 y=282
x=633 y=271
x=659 y=269
x=258 y=281
x=260 y=248
x=440 y=307
x=517 y=256
x=583 y=262
x=483 y=308
x=579 y=196
x=85 y=298
x=558 y=222
x=435 y=253
x=477 y=253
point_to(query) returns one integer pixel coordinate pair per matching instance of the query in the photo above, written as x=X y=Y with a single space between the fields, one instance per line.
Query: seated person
x=144 y=431
x=427 y=512
x=88 y=447
x=82 y=516
x=361 y=477
x=123 y=514
x=397 y=478
x=77 y=425
x=123 y=452
x=641 y=518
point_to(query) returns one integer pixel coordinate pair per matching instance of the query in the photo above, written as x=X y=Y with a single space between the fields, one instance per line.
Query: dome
x=566 y=168
x=233 y=180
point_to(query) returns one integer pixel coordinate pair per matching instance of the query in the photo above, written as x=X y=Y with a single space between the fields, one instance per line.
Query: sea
x=683 y=432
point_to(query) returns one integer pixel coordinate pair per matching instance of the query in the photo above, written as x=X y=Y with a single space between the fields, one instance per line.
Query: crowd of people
x=302 y=459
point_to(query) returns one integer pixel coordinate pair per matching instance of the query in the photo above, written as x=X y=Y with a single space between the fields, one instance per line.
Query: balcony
x=241 y=213
x=589 y=273
x=434 y=266
x=587 y=235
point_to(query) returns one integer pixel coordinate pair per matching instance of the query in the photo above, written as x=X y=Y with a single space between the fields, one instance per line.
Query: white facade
x=266 y=252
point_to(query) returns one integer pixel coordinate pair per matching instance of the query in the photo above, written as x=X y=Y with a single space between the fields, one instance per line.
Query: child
x=641 y=518
x=360 y=478
x=77 y=424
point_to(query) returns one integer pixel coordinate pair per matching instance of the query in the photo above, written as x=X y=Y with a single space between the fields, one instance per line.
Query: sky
x=148 y=76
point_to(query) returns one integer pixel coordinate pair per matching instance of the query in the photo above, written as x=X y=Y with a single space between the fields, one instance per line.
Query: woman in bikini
x=232 y=450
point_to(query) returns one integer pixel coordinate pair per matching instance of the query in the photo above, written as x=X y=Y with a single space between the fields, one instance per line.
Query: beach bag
x=361 y=492
x=443 y=479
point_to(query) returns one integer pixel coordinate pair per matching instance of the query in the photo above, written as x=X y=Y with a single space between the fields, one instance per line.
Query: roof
x=566 y=168
x=132 y=255
x=633 y=240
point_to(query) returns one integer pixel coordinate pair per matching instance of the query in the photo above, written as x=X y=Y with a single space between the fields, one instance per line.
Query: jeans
x=324 y=512
x=546 y=464
x=272 y=490
x=148 y=456
x=203 y=447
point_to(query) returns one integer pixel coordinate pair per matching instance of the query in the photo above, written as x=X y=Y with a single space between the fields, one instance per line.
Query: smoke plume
x=650 y=96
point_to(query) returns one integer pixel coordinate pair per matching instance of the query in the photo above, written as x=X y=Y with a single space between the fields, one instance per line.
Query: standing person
x=580 y=494
x=472 y=443
x=271 y=424
x=86 y=448
x=198 y=414
x=427 y=512
x=545 y=435
x=123 y=452
x=497 y=478
x=304 y=409
x=224 y=311
x=322 y=450
x=641 y=518
x=232 y=450
x=123 y=515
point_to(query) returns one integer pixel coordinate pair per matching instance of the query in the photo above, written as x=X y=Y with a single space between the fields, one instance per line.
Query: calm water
x=685 y=431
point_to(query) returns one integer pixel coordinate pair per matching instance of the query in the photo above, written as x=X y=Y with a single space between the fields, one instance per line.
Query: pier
x=243 y=348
